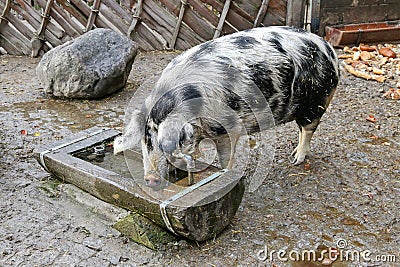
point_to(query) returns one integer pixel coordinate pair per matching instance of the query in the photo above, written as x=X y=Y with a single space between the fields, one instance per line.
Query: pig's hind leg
x=306 y=132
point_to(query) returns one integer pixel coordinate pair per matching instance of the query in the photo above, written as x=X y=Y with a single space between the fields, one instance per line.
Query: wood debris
x=379 y=63
x=392 y=94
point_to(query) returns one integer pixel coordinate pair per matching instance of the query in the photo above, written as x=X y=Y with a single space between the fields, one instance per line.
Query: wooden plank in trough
x=200 y=214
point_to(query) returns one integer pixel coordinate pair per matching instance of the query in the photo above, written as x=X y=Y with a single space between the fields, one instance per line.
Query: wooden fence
x=32 y=27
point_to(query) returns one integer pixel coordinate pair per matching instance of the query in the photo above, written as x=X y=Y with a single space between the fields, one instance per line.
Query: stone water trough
x=197 y=212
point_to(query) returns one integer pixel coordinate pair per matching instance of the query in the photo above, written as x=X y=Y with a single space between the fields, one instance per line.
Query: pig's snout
x=152 y=180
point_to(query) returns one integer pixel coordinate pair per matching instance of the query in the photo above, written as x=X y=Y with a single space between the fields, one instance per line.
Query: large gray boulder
x=93 y=65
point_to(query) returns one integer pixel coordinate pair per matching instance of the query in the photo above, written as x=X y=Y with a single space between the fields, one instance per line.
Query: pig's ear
x=133 y=132
x=173 y=132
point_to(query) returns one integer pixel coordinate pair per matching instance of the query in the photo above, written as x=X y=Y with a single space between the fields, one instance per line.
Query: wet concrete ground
x=348 y=193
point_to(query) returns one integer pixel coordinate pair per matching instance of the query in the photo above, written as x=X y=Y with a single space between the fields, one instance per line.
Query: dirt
x=348 y=191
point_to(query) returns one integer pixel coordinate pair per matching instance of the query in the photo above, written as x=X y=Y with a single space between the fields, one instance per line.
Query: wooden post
x=315 y=16
x=178 y=24
x=93 y=15
x=136 y=19
x=261 y=13
x=3 y=19
x=38 y=40
x=222 y=19
x=295 y=13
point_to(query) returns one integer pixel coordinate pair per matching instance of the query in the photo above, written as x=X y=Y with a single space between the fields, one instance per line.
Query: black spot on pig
x=171 y=99
x=245 y=42
x=275 y=43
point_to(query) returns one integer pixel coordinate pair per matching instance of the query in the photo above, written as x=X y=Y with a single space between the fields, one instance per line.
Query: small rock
x=115 y=260
x=92 y=245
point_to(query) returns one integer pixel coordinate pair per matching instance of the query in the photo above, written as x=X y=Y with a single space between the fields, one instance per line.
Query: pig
x=217 y=89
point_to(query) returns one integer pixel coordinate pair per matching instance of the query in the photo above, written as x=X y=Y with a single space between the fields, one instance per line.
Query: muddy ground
x=349 y=192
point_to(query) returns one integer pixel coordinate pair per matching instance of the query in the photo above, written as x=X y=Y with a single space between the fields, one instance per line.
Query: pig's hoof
x=299 y=156
x=294 y=152
x=298 y=159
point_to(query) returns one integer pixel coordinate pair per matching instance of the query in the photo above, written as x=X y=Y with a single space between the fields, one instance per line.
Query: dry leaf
x=378 y=71
x=387 y=52
x=368 y=48
x=357 y=55
x=364 y=55
x=343 y=56
x=357 y=73
x=379 y=78
x=307 y=166
x=392 y=94
x=371 y=118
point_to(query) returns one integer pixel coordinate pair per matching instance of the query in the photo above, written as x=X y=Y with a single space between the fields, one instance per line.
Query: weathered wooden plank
x=135 y=19
x=120 y=24
x=5 y=11
x=371 y=13
x=9 y=47
x=38 y=40
x=163 y=22
x=338 y=3
x=295 y=13
x=17 y=39
x=200 y=8
x=222 y=19
x=85 y=10
x=64 y=19
x=232 y=17
x=178 y=23
x=261 y=13
x=56 y=31
x=122 y=13
x=276 y=13
x=145 y=39
x=73 y=11
x=356 y=4
x=93 y=15
x=238 y=10
x=194 y=21
x=34 y=19
x=351 y=15
x=23 y=29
